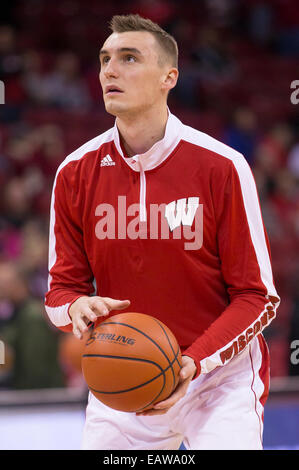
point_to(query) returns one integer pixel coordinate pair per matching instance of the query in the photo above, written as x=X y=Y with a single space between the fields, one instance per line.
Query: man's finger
x=179 y=392
x=79 y=327
x=114 y=304
x=88 y=313
x=77 y=332
x=99 y=307
x=152 y=412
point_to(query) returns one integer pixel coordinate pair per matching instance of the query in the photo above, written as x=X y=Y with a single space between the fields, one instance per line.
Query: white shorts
x=221 y=410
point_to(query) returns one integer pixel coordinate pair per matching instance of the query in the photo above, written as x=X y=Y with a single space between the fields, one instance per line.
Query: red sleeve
x=246 y=269
x=70 y=275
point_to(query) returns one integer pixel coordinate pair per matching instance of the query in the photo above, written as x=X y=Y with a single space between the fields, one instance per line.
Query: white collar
x=159 y=151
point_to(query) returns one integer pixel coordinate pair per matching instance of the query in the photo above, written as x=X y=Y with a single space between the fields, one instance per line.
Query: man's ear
x=170 y=79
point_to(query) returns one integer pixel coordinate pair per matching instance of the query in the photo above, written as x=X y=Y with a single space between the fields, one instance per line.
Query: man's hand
x=187 y=373
x=87 y=309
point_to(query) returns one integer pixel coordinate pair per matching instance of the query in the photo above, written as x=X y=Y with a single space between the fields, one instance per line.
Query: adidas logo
x=107 y=161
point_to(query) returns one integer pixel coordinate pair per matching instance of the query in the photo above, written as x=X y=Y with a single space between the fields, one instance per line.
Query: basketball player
x=154 y=216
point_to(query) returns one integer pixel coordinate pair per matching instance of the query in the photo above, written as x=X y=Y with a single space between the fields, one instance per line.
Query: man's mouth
x=112 y=90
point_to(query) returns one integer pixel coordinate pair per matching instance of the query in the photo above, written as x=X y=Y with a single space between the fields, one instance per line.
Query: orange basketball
x=131 y=361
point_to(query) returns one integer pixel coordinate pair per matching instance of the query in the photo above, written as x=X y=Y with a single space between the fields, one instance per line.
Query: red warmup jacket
x=177 y=230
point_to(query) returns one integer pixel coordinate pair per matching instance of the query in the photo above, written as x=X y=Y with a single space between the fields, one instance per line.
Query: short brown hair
x=125 y=23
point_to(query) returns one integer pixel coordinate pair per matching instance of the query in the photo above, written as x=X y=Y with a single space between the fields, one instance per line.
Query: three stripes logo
x=107 y=161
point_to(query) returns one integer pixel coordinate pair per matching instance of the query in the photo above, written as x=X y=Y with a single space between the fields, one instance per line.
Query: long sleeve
x=246 y=269
x=70 y=275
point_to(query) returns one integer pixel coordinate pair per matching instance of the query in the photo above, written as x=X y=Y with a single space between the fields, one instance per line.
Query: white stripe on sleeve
x=59 y=315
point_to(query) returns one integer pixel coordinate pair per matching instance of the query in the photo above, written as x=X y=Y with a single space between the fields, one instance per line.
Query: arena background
x=239 y=71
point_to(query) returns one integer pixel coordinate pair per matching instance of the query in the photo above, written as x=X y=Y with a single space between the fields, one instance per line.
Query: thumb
x=183 y=373
x=187 y=371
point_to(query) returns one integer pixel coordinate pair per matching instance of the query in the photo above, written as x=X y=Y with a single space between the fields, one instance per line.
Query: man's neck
x=138 y=134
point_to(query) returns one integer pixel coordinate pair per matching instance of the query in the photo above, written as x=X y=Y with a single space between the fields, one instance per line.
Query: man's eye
x=130 y=58
x=105 y=60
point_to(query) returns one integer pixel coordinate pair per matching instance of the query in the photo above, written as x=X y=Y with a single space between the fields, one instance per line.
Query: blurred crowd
x=237 y=62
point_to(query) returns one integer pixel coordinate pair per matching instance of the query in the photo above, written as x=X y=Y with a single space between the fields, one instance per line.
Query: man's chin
x=115 y=109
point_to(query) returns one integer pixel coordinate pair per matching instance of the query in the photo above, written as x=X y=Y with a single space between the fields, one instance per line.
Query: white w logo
x=178 y=212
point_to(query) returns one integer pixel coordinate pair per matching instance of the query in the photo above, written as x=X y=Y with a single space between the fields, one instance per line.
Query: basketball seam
x=163 y=329
x=132 y=359
x=140 y=385
x=139 y=331
x=164 y=383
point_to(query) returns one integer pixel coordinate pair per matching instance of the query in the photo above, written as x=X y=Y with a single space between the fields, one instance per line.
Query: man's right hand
x=87 y=309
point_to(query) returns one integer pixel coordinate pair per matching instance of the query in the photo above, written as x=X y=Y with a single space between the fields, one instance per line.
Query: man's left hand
x=187 y=373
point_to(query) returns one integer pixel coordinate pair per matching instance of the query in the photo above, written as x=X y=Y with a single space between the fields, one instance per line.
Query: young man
x=166 y=219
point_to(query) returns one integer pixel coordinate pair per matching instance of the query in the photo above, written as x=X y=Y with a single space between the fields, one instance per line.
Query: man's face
x=129 y=63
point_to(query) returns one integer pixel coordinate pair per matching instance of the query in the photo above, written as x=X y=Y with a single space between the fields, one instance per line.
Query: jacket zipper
x=142 y=195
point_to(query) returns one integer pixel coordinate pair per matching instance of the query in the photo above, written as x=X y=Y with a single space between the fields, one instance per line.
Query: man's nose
x=111 y=69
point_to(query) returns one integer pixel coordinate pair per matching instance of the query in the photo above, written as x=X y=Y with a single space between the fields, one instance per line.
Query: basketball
x=131 y=361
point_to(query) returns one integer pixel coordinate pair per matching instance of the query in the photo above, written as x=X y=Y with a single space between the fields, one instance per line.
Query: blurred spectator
x=243 y=134
x=19 y=149
x=33 y=257
x=33 y=156
x=261 y=22
x=293 y=160
x=206 y=67
x=285 y=201
x=49 y=144
x=10 y=70
x=272 y=152
x=10 y=58
x=16 y=203
x=215 y=63
x=287 y=27
x=32 y=340
x=159 y=11
x=63 y=87
x=222 y=12
x=33 y=76
x=187 y=88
